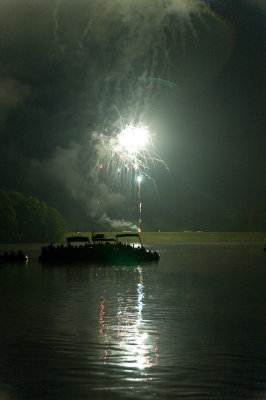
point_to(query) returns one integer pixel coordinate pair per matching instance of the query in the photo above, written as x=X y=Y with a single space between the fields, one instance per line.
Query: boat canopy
x=121 y=235
x=71 y=239
x=97 y=235
x=103 y=240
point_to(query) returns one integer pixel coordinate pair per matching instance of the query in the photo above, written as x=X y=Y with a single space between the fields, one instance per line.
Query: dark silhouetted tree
x=257 y=216
x=9 y=230
x=26 y=219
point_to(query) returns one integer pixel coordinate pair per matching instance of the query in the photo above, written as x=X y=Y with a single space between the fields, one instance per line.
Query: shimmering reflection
x=137 y=343
x=191 y=327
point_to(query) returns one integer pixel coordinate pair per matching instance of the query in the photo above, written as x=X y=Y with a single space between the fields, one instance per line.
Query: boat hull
x=13 y=258
x=97 y=254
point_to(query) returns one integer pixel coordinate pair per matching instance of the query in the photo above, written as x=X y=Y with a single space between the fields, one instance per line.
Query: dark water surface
x=192 y=326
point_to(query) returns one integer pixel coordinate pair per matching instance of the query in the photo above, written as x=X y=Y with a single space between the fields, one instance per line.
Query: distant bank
x=193 y=236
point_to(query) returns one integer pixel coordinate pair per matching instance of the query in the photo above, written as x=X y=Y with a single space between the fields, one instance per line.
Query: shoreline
x=172 y=237
x=190 y=236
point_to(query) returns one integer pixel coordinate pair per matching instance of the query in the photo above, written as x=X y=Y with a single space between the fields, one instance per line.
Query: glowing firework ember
x=132 y=146
x=133 y=138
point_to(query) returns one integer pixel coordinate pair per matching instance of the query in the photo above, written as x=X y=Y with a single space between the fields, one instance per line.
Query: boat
x=123 y=249
x=12 y=257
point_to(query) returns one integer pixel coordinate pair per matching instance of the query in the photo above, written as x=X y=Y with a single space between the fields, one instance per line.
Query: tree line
x=28 y=220
x=200 y=217
x=231 y=219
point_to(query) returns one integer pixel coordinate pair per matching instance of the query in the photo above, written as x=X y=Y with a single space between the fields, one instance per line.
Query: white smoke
x=56 y=27
x=261 y=4
x=139 y=19
x=12 y=95
x=116 y=223
x=95 y=197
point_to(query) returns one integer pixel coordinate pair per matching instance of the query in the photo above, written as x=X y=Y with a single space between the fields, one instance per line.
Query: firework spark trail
x=139 y=199
x=56 y=27
x=142 y=19
x=136 y=19
x=92 y=19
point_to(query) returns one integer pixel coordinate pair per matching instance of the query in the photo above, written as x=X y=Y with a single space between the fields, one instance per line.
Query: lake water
x=192 y=326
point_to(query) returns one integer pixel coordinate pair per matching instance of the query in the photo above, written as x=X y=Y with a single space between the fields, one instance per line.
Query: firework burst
x=126 y=154
x=125 y=157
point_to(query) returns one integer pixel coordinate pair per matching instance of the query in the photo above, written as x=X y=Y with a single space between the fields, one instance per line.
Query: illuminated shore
x=194 y=236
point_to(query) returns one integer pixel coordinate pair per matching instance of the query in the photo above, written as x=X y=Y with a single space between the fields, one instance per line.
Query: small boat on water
x=12 y=257
x=123 y=249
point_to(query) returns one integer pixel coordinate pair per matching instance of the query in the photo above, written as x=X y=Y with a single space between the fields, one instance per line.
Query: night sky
x=192 y=70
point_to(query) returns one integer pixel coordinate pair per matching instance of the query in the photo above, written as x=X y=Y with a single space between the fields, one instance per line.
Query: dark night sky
x=67 y=69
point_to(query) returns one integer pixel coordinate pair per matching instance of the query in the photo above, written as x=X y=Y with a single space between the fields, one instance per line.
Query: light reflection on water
x=191 y=326
x=138 y=347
